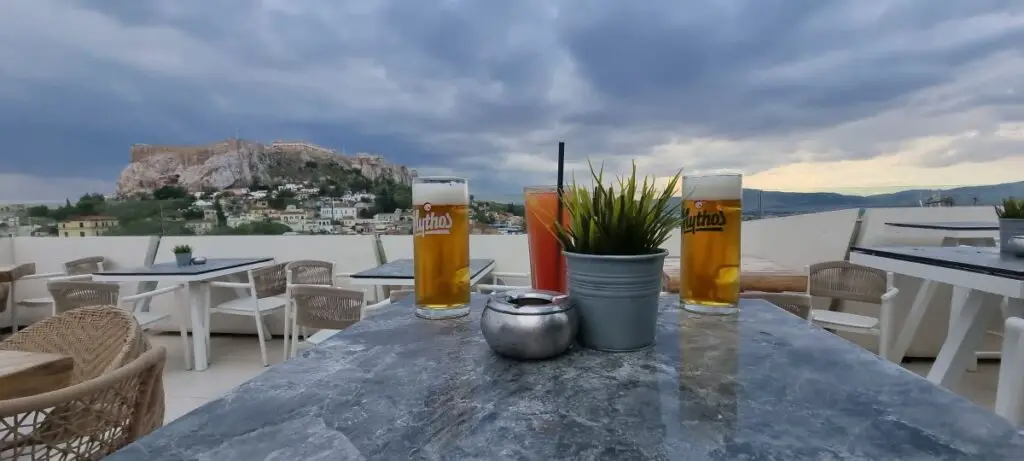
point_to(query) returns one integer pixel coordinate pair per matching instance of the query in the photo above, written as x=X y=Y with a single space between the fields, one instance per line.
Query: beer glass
x=709 y=272
x=440 y=241
x=547 y=263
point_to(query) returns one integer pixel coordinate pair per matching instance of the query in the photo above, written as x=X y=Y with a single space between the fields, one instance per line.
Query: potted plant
x=614 y=259
x=1011 y=222
x=183 y=255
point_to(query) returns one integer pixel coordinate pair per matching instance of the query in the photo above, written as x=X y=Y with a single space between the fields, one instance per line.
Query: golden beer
x=440 y=240
x=709 y=270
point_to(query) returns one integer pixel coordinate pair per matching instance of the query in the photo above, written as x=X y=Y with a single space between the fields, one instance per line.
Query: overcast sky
x=797 y=94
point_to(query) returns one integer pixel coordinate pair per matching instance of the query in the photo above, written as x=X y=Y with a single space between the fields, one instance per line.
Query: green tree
x=222 y=219
x=365 y=213
x=39 y=211
x=170 y=193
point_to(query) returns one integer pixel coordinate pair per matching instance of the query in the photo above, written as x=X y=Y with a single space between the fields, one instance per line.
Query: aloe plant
x=1011 y=209
x=181 y=249
x=628 y=220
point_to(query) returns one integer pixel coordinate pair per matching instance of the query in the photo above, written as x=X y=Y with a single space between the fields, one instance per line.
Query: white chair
x=78 y=269
x=1010 y=391
x=851 y=282
x=328 y=309
x=266 y=292
x=501 y=282
x=68 y=295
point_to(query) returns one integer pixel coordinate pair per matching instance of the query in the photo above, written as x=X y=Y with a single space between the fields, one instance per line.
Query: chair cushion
x=826 y=318
x=245 y=304
x=35 y=302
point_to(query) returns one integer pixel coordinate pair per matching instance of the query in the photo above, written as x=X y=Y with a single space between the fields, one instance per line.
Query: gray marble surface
x=949 y=225
x=173 y=268
x=762 y=385
x=403 y=269
x=972 y=259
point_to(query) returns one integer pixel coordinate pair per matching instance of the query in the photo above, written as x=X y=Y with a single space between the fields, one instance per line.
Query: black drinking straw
x=560 y=186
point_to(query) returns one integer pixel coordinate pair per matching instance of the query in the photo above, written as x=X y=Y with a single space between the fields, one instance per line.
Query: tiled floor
x=236 y=359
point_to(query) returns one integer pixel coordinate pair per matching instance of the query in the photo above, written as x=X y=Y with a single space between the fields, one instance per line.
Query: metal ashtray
x=1016 y=245
x=198 y=260
x=529 y=324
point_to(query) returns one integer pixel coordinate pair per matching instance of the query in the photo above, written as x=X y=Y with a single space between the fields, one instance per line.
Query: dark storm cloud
x=444 y=84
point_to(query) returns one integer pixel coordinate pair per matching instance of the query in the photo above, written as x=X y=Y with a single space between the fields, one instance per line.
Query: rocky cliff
x=238 y=163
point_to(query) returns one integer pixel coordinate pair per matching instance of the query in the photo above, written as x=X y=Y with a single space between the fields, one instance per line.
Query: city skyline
x=798 y=95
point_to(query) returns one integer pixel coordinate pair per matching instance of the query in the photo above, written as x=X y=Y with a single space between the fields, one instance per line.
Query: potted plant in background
x=1011 y=222
x=183 y=255
x=614 y=259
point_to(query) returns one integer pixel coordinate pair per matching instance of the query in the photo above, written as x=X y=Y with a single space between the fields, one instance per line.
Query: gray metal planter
x=183 y=259
x=1009 y=228
x=617 y=299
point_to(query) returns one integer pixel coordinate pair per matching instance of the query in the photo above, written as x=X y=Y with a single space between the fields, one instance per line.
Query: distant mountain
x=239 y=163
x=795 y=202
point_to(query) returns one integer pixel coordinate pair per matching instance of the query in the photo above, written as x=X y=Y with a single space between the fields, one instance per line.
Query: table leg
x=956 y=301
x=913 y=321
x=197 y=306
x=968 y=329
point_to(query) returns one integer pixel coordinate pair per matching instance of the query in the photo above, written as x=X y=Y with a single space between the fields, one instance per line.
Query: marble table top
x=404 y=269
x=762 y=385
x=949 y=225
x=981 y=260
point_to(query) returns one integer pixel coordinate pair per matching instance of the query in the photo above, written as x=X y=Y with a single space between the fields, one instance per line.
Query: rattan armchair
x=69 y=295
x=328 y=309
x=846 y=281
x=304 y=272
x=87 y=420
x=76 y=269
x=798 y=304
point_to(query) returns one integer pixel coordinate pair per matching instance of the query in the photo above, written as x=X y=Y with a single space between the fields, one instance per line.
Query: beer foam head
x=440 y=190
x=713 y=187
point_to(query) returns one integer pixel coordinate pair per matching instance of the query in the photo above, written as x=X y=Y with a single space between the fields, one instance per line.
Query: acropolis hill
x=239 y=162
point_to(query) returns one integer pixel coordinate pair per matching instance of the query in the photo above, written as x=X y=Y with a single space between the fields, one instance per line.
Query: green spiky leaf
x=634 y=218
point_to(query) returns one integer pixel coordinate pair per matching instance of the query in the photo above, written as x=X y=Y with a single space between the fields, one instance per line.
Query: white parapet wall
x=792 y=241
x=6 y=251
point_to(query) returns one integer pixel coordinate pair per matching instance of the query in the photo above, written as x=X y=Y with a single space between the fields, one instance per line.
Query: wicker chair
x=77 y=269
x=267 y=292
x=798 y=304
x=98 y=338
x=87 y=420
x=304 y=272
x=68 y=295
x=850 y=282
x=5 y=290
x=328 y=309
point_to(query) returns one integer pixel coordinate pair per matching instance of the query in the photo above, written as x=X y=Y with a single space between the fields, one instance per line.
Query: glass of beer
x=709 y=270
x=440 y=241
x=547 y=263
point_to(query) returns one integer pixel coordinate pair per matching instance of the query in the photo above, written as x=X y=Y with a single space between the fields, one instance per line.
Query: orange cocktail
x=547 y=264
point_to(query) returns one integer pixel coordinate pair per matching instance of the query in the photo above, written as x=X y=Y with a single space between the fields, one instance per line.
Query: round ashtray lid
x=529 y=302
x=198 y=260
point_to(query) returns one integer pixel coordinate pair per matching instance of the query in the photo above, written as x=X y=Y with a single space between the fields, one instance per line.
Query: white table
x=196 y=293
x=985 y=276
x=401 y=272
x=956 y=229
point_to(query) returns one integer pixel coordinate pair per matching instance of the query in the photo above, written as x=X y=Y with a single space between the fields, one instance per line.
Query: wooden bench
x=756 y=274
